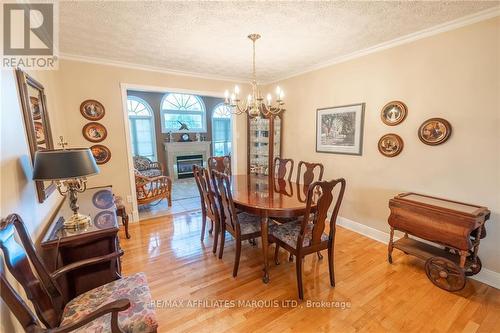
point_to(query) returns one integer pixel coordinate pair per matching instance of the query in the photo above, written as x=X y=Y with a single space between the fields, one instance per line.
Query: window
x=221 y=131
x=142 y=128
x=179 y=111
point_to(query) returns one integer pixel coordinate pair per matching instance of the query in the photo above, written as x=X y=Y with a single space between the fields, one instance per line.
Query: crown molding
x=444 y=27
x=122 y=64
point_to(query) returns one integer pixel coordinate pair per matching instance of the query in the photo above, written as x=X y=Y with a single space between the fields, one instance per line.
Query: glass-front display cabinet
x=264 y=143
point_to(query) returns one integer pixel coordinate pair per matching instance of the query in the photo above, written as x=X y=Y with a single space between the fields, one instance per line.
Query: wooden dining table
x=268 y=197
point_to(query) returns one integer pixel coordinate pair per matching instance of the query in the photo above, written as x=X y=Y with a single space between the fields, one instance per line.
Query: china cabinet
x=264 y=143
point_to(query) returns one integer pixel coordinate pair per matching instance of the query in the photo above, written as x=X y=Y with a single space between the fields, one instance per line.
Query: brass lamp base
x=77 y=221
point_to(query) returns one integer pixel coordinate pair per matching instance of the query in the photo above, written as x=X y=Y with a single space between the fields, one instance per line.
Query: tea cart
x=448 y=233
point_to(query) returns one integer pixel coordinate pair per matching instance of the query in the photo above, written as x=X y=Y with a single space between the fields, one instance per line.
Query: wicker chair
x=153 y=189
x=150 y=183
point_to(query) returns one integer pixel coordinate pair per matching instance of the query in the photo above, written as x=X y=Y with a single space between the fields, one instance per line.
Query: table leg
x=265 y=246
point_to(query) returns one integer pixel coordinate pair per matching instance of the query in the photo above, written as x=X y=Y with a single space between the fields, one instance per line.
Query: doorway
x=157 y=118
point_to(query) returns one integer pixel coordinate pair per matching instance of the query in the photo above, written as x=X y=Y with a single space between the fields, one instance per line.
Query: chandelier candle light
x=254 y=106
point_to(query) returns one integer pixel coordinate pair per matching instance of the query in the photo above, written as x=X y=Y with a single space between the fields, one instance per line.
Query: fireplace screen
x=185 y=165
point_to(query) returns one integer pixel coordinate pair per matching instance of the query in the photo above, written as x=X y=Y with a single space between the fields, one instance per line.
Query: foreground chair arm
x=113 y=308
x=87 y=262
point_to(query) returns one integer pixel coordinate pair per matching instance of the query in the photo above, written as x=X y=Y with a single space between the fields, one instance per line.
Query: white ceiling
x=209 y=38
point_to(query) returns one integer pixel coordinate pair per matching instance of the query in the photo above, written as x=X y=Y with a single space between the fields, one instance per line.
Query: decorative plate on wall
x=40 y=136
x=101 y=153
x=390 y=145
x=434 y=131
x=92 y=109
x=94 y=132
x=393 y=113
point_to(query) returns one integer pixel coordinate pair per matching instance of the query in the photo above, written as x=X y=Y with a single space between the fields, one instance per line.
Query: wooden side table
x=98 y=239
x=122 y=212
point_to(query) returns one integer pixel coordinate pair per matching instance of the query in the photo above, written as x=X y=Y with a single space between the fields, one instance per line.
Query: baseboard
x=486 y=276
x=135 y=216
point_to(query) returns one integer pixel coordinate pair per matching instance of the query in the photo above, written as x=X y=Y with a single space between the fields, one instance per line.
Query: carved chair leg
x=276 y=254
x=211 y=227
x=203 y=225
x=390 y=246
x=237 y=257
x=331 y=266
x=222 y=241
x=298 y=263
x=216 y=236
x=320 y=256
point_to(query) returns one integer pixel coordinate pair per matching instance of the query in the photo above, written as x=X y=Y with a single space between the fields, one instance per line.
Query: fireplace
x=185 y=165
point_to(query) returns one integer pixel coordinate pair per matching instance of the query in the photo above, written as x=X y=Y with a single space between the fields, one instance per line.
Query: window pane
x=173 y=121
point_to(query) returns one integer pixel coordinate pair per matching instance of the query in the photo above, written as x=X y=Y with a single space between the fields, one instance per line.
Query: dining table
x=269 y=197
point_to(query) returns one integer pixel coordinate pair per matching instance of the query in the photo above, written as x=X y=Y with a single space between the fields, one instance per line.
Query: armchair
x=102 y=309
x=153 y=189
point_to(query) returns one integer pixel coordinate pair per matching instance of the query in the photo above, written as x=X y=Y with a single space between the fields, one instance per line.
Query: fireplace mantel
x=174 y=149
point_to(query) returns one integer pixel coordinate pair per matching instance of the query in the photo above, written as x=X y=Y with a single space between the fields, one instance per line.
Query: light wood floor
x=382 y=297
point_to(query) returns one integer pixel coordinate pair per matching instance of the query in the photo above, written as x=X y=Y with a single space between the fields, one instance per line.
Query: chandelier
x=254 y=106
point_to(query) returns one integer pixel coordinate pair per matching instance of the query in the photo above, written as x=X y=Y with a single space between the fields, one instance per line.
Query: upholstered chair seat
x=249 y=224
x=138 y=318
x=289 y=233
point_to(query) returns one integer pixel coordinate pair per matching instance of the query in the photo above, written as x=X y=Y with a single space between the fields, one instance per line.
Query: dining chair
x=220 y=163
x=208 y=204
x=242 y=226
x=309 y=175
x=281 y=168
x=123 y=305
x=304 y=180
x=302 y=237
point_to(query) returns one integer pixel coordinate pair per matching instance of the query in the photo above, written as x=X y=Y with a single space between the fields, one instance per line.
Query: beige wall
x=17 y=190
x=454 y=75
x=80 y=81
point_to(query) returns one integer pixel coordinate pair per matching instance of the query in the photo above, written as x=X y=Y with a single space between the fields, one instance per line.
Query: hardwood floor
x=377 y=296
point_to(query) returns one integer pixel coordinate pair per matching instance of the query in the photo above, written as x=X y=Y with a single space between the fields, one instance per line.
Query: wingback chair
x=123 y=305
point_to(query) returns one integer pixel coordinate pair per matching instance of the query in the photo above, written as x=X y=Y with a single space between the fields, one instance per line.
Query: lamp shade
x=64 y=164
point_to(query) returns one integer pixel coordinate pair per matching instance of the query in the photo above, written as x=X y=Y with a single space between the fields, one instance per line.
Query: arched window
x=142 y=127
x=182 y=113
x=221 y=131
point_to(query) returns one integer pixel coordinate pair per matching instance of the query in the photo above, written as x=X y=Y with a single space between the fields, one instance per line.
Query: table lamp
x=69 y=169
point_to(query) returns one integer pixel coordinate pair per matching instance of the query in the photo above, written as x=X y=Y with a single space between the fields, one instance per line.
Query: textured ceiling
x=210 y=37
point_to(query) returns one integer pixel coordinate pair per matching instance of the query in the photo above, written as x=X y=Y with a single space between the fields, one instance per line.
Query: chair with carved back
x=281 y=168
x=312 y=172
x=302 y=237
x=220 y=163
x=242 y=226
x=153 y=189
x=209 y=206
x=308 y=177
x=102 y=309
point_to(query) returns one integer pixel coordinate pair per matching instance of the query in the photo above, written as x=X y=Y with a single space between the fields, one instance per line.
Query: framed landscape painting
x=339 y=129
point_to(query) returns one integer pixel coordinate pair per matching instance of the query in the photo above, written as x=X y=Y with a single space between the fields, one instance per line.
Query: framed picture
x=92 y=110
x=339 y=129
x=390 y=145
x=393 y=113
x=434 y=131
x=37 y=126
x=101 y=153
x=94 y=132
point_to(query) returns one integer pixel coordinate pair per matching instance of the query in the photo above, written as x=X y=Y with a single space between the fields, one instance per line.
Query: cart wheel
x=445 y=274
x=474 y=268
